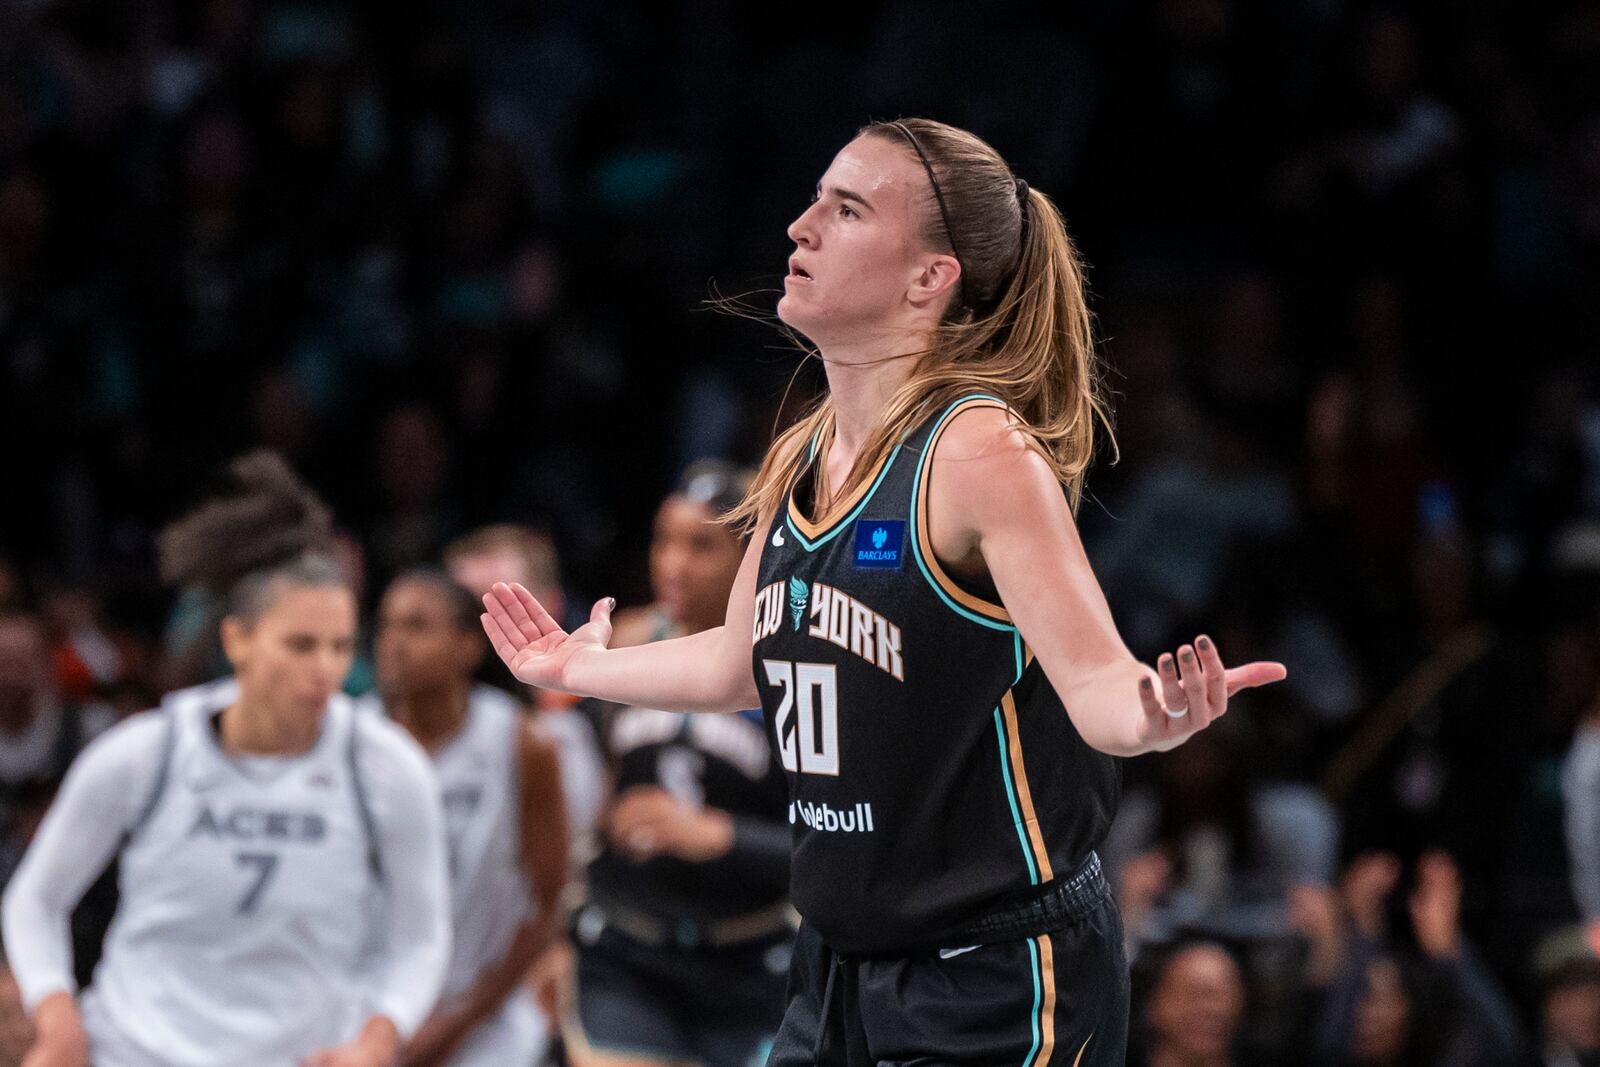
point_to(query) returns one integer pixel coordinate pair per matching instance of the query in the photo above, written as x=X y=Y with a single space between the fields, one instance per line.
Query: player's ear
x=237 y=638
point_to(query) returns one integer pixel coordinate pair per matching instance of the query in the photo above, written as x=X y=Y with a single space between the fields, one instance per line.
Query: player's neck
x=861 y=382
x=251 y=728
x=434 y=717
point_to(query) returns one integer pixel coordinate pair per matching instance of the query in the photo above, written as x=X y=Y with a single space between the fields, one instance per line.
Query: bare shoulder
x=986 y=456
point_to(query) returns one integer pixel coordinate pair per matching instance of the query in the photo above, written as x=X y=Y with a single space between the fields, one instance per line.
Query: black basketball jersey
x=933 y=771
x=721 y=761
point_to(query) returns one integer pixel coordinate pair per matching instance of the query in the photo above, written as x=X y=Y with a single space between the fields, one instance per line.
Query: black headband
x=944 y=214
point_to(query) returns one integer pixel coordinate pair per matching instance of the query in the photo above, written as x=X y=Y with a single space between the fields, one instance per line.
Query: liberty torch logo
x=799 y=593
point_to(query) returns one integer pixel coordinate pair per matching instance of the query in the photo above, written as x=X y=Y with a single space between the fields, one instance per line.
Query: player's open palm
x=1195 y=689
x=531 y=643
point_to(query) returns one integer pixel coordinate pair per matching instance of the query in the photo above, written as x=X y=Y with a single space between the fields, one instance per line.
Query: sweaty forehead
x=885 y=173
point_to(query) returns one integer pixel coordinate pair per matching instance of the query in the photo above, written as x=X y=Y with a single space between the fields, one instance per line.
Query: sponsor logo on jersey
x=879 y=543
x=777 y=538
x=831 y=820
x=245 y=823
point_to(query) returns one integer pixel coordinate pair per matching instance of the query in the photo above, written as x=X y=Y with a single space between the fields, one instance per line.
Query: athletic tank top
x=245 y=903
x=933 y=772
x=480 y=780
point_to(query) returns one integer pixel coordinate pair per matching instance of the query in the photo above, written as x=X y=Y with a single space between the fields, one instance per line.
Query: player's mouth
x=797 y=272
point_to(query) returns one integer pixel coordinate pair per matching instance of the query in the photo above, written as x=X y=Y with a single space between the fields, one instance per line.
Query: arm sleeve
x=100 y=799
x=410 y=830
x=1580 y=788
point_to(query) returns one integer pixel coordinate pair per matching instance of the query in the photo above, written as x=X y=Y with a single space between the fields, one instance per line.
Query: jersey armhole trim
x=158 y=787
x=358 y=786
x=974 y=608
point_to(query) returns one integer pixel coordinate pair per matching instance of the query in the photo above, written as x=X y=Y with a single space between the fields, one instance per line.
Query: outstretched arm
x=996 y=500
x=707 y=671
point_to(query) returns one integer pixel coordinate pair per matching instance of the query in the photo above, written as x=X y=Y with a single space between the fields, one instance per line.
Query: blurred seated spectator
x=1205 y=847
x=1580 y=796
x=1388 y=1004
x=1194 y=1010
x=40 y=733
x=1569 y=1005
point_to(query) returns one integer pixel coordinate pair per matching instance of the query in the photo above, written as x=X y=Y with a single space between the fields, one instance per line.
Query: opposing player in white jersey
x=270 y=837
x=505 y=822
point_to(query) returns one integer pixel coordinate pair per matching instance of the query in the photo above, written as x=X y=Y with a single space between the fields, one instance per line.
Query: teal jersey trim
x=1038 y=1001
x=916 y=550
x=1021 y=661
x=838 y=527
x=1011 y=798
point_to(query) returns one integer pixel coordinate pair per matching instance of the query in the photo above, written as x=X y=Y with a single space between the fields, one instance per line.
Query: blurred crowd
x=453 y=262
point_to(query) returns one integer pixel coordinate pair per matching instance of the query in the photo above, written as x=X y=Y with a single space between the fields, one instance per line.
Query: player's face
x=858 y=247
x=693 y=562
x=418 y=646
x=296 y=654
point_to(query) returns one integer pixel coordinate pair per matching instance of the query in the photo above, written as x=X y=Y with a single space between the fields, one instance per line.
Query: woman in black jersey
x=940 y=672
x=686 y=936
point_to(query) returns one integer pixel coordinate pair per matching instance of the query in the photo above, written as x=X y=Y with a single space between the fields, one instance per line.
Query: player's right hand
x=61 y=1040
x=61 y=1050
x=538 y=651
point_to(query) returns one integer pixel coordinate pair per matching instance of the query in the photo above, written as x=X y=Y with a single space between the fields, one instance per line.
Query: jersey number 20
x=808 y=715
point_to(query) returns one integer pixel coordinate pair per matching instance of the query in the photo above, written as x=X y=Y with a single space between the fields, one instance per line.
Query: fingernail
x=611 y=603
x=1188 y=657
x=1205 y=644
x=1144 y=683
x=1165 y=662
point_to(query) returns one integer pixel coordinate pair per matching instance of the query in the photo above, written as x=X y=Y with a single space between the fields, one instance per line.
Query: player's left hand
x=1195 y=688
x=648 y=821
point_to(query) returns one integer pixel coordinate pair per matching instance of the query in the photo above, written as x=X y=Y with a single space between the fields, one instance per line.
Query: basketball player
x=505 y=822
x=685 y=939
x=269 y=835
x=476 y=560
x=937 y=663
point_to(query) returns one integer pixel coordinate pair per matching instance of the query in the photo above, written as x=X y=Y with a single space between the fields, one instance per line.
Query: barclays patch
x=880 y=543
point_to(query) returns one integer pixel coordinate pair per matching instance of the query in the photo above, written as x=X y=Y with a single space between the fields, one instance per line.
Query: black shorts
x=1058 y=997
x=712 y=1007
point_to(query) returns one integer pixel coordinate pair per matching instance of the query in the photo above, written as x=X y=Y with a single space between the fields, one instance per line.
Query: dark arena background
x=458 y=264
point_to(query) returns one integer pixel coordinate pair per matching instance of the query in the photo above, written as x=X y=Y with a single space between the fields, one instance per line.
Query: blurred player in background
x=476 y=561
x=269 y=836
x=684 y=943
x=505 y=821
